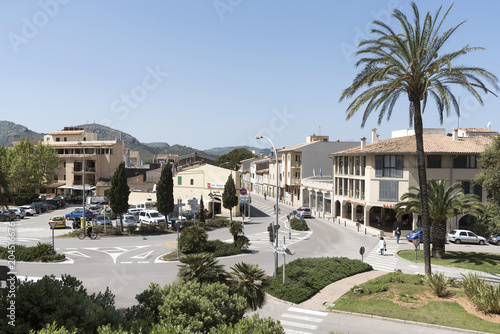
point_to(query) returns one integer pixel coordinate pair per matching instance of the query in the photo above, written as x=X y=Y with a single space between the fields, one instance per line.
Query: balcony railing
x=295 y=164
x=295 y=181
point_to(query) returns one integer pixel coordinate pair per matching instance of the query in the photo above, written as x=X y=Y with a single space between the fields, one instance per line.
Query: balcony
x=295 y=181
x=79 y=169
x=295 y=164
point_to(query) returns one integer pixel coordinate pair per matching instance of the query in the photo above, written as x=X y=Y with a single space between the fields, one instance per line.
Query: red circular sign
x=243 y=191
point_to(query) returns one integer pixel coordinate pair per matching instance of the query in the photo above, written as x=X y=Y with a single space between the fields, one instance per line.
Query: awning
x=87 y=187
x=56 y=184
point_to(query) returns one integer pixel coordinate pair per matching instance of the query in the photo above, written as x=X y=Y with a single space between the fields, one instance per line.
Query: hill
x=10 y=132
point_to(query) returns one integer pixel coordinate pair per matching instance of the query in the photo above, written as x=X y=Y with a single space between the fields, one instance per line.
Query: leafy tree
x=444 y=204
x=201 y=307
x=235 y=228
x=193 y=239
x=203 y=268
x=119 y=192
x=232 y=159
x=250 y=281
x=29 y=167
x=65 y=302
x=165 y=191
x=229 y=197
x=251 y=325
x=5 y=194
x=414 y=63
x=202 y=210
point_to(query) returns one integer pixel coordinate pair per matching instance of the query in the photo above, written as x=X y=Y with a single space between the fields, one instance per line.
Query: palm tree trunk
x=422 y=180
x=438 y=239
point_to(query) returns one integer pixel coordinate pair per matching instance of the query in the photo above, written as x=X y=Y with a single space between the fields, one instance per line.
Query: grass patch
x=486 y=262
x=404 y=296
x=306 y=277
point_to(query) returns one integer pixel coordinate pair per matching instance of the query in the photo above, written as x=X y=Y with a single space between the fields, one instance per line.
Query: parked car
x=151 y=217
x=4 y=215
x=95 y=209
x=128 y=220
x=494 y=239
x=190 y=214
x=134 y=212
x=418 y=234
x=10 y=215
x=78 y=213
x=465 y=236
x=55 y=203
x=20 y=213
x=59 y=220
x=303 y=211
x=28 y=209
x=38 y=207
x=103 y=220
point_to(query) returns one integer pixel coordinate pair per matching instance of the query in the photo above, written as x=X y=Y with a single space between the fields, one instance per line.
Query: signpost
x=362 y=251
x=416 y=242
x=52 y=226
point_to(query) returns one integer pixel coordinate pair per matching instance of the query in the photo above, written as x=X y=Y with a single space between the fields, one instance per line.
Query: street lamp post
x=83 y=181
x=275 y=234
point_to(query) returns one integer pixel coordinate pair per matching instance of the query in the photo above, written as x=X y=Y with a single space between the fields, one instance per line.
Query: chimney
x=363 y=143
x=454 y=135
x=374 y=135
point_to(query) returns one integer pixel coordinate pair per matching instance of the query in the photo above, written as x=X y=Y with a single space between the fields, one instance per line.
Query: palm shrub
x=193 y=239
x=235 y=228
x=485 y=296
x=437 y=282
x=242 y=242
x=203 y=268
x=249 y=281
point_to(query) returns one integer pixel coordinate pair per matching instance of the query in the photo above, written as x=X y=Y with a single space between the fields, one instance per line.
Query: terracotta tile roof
x=477 y=130
x=433 y=144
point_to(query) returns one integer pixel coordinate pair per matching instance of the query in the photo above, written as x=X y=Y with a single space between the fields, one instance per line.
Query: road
x=127 y=265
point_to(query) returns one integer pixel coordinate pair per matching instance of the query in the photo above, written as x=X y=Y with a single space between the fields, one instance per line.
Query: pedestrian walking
x=394 y=228
x=398 y=234
x=265 y=194
x=382 y=245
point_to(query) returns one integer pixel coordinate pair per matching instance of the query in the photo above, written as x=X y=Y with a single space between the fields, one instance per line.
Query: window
x=470 y=188
x=434 y=161
x=389 y=166
x=65 y=139
x=58 y=139
x=56 y=177
x=388 y=190
x=346 y=165
x=464 y=161
x=179 y=180
x=191 y=181
x=357 y=165
x=64 y=177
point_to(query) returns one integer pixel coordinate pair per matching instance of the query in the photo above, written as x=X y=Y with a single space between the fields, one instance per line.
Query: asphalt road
x=127 y=265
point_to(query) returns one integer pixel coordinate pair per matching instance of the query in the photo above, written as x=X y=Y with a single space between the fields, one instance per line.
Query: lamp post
x=83 y=181
x=275 y=232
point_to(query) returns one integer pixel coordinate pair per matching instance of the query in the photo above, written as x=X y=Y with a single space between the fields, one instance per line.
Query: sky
x=215 y=73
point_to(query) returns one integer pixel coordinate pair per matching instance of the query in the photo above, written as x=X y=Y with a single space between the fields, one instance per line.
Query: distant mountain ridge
x=10 y=132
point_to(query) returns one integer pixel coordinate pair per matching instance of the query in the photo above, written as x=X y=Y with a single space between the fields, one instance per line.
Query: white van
x=151 y=217
x=146 y=205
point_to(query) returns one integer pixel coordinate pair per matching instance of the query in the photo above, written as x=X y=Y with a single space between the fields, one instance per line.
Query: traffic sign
x=362 y=250
x=416 y=242
x=243 y=191
x=52 y=225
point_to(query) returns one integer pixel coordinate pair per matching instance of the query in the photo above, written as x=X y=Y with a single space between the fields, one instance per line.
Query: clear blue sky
x=213 y=73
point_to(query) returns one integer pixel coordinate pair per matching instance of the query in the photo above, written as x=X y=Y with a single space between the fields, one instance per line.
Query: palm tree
x=444 y=203
x=193 y=239
x=202 y=267
x=413 y=64
x=250 y=281
x=235 y=228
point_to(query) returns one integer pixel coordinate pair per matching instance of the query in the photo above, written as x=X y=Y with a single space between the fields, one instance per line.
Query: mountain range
x=10 y=132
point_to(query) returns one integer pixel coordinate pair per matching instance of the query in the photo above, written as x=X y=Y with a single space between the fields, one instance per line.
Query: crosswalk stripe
x=300 y=317
x=306 y=311
x=297 y=324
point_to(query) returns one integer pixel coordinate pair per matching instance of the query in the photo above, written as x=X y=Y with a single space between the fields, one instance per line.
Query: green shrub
x=217 y=223
x=305 y=277
x=193 y=239
x=437 y=282
x=131 y=229
x=485 y=296
x=39 y=253
x=219 y=248
x=298 y=225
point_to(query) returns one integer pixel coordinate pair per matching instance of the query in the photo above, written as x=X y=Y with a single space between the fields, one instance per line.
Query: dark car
x=55 y=203
x=189 y=214
x=78 y=213
x=5 y=215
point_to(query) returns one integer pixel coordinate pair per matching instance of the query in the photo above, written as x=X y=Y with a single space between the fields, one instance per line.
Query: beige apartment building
x=80 y=152
x=371 y=178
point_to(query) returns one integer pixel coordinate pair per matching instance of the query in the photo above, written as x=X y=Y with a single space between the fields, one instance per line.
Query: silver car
x=103 y=220
x=494 y=239
x=465 y=236
x=128 y=220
